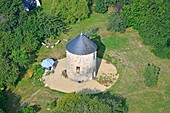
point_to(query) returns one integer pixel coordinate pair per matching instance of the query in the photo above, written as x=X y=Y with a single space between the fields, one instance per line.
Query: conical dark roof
x=81 y=45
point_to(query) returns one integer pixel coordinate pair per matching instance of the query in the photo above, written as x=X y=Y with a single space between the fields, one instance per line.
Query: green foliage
x=20 y=57
x=152 y=19
x=116 y=23
x=103 y=103
x=74 y=103
x=123 y=1
x=100 y=7
x=151 y=75
x=93 y=31
x=28 y=109
x=2 y=111
x=53 y=104
x=37 y=74
x=115 y=102
x=105 y=79
x=72 y=10
x=21 y=35
x=8 y=73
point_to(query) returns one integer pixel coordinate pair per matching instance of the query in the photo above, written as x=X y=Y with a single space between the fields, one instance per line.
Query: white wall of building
x=86 y=63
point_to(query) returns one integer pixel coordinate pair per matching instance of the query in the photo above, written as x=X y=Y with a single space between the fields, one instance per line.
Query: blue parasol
x=47 y=63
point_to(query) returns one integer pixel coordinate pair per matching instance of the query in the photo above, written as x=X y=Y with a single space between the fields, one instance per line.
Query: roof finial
x=81 y=33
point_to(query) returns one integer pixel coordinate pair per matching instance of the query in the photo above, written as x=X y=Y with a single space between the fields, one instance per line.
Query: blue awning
x=47 y=63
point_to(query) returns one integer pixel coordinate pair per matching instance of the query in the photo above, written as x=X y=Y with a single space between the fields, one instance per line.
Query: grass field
x=130 y=57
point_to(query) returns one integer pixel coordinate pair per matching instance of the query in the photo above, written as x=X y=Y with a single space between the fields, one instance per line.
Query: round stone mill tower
x=81 y=58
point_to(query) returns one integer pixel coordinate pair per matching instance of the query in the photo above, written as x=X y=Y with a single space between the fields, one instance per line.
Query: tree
x=21 y=35
x=74 y=103
x=72 y=10
x=2 y=111
x=20 y=57
x=152 y=19
x=8 y=73
x=100 y=7
x=102 y=103
x=116 y=23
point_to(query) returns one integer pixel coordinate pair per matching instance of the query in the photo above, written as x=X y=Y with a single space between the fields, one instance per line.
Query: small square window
x=78 y=70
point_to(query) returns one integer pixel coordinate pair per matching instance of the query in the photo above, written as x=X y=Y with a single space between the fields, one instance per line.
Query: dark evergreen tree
x=152 y=19
x=100 y=7
x=116 y=23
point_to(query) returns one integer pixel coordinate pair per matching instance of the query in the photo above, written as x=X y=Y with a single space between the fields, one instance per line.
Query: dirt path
x=30 y=98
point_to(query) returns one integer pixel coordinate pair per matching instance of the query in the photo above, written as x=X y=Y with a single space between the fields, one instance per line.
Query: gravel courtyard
x=57 y=82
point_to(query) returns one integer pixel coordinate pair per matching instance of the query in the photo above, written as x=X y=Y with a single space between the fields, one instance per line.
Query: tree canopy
x=76 y=103
x=101 y=6
x=72 y=10
x=116 y=22
x=152 y=19
x=21 y=35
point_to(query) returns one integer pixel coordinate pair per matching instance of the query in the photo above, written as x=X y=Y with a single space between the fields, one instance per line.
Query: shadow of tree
x=13 y=102
x=88 y=91
x=37 y=108
x=100 y=50
x=100 y=46
x=117 y=102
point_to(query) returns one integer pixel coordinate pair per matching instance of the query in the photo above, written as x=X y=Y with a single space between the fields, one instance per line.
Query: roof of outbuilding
x=30 y=4
x=81 y=45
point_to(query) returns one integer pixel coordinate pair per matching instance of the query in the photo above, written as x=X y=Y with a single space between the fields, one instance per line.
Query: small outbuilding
x=30 y=4
x=81 y=58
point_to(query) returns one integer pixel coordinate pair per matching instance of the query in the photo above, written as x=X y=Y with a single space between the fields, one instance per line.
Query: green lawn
x=130 y=57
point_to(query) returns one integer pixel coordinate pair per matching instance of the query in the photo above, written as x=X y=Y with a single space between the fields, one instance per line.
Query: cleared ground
x=57 y=82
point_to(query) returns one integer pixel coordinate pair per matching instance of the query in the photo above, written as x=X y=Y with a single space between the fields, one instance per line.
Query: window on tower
x=78 y=69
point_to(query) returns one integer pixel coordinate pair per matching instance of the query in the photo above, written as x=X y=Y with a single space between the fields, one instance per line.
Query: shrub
x=64 y=73
x=93 y=31
x=72 y=10
x=105 y=80
x=37 y=74
x=27 y=110
x=53 y=104
x=116 y=22
x=2 y=111
x=75 y=103
x=100 y=6
x=151 y=74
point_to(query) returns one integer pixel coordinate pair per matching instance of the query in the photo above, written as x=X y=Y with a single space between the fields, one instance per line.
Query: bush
x=37 y=74
x=101 y=103
x=75 y=103
x=100 y=7
x=151 y=74
x=93 y=31
x=72 y=10
x=116 y=23
x=2 y=111
x=162 y=52
x=27 y=110
x=105 y=80
x=52 y=105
